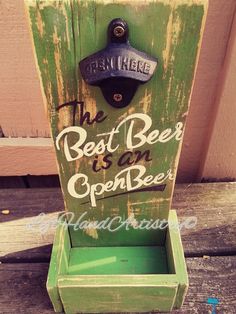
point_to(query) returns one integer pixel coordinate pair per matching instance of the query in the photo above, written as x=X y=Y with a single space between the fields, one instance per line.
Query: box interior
x=119 y=271
x=118 y=260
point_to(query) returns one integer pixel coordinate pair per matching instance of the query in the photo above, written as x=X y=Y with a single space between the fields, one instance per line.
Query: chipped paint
x=91 y=232
x=146 y=101
x=165 y=99
x=40 y=24
x=166 y=51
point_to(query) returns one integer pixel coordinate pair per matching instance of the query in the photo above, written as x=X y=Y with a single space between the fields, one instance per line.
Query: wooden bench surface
x=209 y=247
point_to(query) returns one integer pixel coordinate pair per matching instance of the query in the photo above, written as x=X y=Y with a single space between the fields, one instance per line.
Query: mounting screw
x=119 y=31
x=117 y=97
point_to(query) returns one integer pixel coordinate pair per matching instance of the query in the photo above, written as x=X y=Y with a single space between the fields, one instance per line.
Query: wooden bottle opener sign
x=116 y=78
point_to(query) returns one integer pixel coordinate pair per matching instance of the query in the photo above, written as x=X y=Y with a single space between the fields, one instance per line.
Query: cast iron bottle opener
x=119 y=68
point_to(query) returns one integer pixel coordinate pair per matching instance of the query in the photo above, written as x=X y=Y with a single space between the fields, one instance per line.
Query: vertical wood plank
x=64 y=32
x=214 y=46
x=21 y=105
x=220 y=158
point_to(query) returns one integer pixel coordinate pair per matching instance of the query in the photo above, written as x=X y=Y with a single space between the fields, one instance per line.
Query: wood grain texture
x=24 y=284
x=66 y=32
x=213 y=204
x=77 y=299
x=220 y=156
x=24 y=287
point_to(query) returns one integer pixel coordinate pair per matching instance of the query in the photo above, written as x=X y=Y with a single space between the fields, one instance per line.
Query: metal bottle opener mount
x=119 y=68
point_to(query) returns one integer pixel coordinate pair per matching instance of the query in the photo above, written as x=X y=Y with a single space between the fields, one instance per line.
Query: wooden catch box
x=116 y=79
x=119 y=278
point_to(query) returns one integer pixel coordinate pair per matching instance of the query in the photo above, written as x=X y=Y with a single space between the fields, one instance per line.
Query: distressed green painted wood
x=175 y=257
x=63 y=33
x=58 y=264
x=85 y=282
x=110 y=299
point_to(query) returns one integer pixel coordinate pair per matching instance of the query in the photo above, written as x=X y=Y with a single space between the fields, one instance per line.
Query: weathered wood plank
x=213 y=204
x=211 y=278
x=23 y=287
x=66 y=32
x=24 y=204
